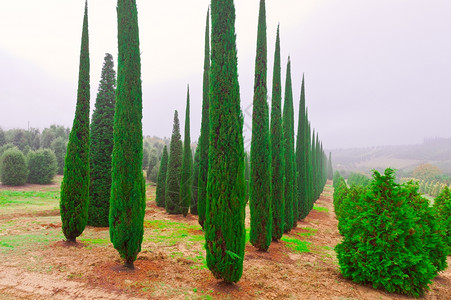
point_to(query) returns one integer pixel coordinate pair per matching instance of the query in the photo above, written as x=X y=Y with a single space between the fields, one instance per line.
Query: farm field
x=37 y=264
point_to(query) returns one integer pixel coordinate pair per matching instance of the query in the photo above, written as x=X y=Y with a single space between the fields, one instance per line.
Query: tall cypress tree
x=161 y=181
x=205 y=130
x=302 y=157
x=260 y=196
x=75 y=186
x=128 y=188
x=194 y=200
x=224 y=224
x=288 y=134
x=277 y=151
x=102 y=146
x=186 y=180
x=330 y=170
x=172 y=196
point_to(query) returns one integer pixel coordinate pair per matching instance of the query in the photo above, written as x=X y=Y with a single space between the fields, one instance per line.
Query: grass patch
x=321 y=209
x=28 y=201
x=296 y=245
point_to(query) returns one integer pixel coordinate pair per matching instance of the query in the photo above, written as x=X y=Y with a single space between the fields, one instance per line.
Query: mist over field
x=377 y=72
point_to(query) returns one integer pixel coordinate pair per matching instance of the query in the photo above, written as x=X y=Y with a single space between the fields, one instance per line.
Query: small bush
x=386 y=239
x=42 y=166
x=13 y=167
x=336 y=179
x=340 y=193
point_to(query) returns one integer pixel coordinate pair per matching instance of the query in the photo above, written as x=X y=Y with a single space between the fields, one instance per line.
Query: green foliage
x=225 y=212
x=161 y=182
x=13 y=167
x=277 y=151
x=340 y=193
x=247 y=175
x=128 y=185
x=336 y=179
x=102 y=146
x=288 y=134
x=152 y=163
x=42 y=166
x=387 y=239
x=2 y=138
x=296 y=244
x=330 y=170
x=442 y=206
x=204 y=138
x=75 y=185
x=172 y=190
x=59 y=147
x=260 y=192
x=358 y=179
x=193 y=205
x=186 y=175
x=302 y=160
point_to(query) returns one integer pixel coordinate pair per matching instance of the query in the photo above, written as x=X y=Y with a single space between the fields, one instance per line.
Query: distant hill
x=405 y=158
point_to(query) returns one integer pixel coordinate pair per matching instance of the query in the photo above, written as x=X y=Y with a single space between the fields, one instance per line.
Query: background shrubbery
x=42 y=166
x=13 y=167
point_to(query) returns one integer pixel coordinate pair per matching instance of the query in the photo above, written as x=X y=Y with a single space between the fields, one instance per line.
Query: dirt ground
x=35 y=263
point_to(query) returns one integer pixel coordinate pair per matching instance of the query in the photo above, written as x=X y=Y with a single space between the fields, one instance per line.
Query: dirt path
x=18 y=284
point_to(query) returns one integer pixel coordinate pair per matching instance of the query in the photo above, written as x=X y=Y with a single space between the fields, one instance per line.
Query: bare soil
x=171 y=266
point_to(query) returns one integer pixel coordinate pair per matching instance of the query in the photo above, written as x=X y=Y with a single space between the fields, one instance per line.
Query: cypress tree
x=288 y=134
x=161 y=182
x=186 y=180
x=314 y=168
x=194 y=200
x=205 y=130
x=277 y=152
x=128 y=189
x=102 y=146
x=302 y=157
x=260 y=193
x=75 y=186
x=224 y=224
x=172 y=193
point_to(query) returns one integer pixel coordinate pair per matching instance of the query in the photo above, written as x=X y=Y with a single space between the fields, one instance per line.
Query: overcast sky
x=377 y=72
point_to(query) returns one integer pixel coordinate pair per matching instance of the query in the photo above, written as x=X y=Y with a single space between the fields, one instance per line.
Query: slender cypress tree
x=260 y=196
x=314 y=169
x=161 y=181
x=205 y=130
x=186 y=180
x=311 y=194
x=224 y=224
x=128 y=188
x=75 y=186
x=172 y=196
x=277 y=151
x=102 y=146
x=302 y=157
x=288 y=133
x=195 y=199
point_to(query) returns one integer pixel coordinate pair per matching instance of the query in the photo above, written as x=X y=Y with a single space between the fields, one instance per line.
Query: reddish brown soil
x=88 y=271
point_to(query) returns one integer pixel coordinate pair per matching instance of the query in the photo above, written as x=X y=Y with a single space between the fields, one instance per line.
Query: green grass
x=310 y=232
x=296 y=244
x=28 y=201
x=24 y=242
x=321 y=209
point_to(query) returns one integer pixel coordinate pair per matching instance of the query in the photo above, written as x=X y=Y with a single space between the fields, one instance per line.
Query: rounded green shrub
x=13 y=167
x=385 y=243
x=358 y=179
x=42 y=166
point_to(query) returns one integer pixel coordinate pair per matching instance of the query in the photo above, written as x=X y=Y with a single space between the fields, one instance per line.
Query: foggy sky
x=377 y=71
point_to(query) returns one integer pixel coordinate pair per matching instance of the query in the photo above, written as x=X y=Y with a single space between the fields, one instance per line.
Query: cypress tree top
x=224 y=224
x=102 y=146
x=186 y=187
x=288 y=128
x=128 y=197
x=205 y=130
x=172 y=196
x=278 y=200
x=75 y=184
x=260 y=196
